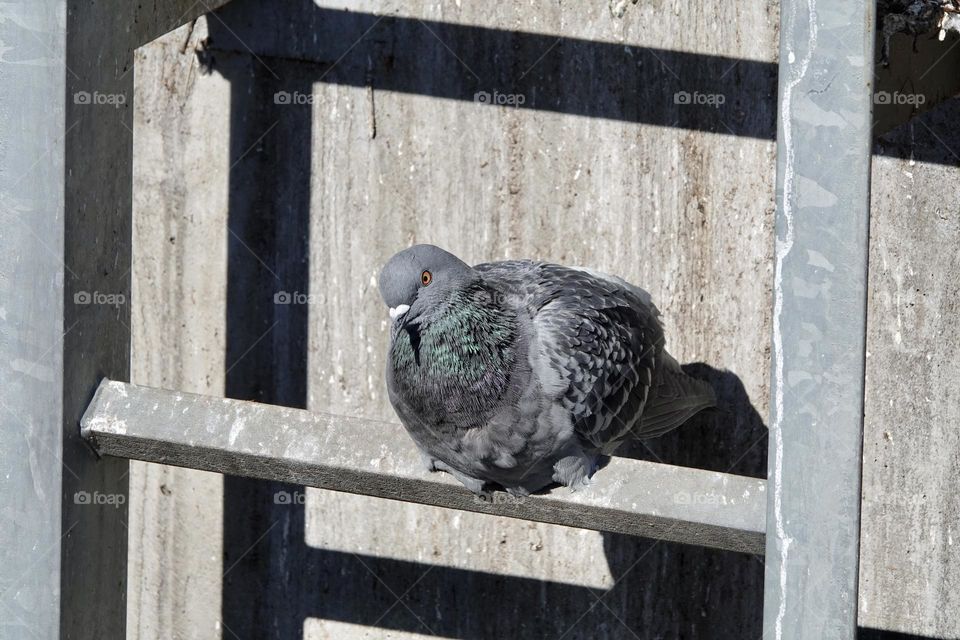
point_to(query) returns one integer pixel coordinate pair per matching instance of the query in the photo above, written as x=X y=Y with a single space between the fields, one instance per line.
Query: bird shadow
x=730 y=438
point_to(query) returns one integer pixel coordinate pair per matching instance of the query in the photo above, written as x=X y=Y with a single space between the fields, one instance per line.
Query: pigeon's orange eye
x=426 y=278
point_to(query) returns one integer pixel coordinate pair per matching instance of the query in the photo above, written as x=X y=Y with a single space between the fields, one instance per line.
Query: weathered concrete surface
x=683 y=212
x=179 y=279
x=910 y=538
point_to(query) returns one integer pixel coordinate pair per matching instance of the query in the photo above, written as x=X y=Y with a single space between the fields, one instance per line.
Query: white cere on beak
x=399 y=310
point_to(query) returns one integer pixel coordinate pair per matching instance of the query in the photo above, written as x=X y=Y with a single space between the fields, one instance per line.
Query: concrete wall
x=239 y=198
x=179 y=281
x=910 y=540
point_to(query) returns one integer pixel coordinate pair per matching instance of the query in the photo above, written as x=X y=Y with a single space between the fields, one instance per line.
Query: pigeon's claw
x=475 y=485
x=517 y=492
x=574 y=471
x=429 y=462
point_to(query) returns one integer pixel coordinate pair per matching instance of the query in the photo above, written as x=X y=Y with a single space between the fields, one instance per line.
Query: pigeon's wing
x=674 y=398
x=595 y=344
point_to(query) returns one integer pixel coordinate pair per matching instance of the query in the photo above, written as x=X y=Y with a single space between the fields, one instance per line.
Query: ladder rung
x=375 y=458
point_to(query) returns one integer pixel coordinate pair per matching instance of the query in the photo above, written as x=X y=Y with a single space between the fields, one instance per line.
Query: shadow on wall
x=731 y=438
x=663 y=87
x=273 y=581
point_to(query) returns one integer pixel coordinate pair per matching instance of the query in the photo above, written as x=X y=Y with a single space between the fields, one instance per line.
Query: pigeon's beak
x=399 y=310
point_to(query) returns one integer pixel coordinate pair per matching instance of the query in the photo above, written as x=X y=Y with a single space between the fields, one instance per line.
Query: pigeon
x=523 y=374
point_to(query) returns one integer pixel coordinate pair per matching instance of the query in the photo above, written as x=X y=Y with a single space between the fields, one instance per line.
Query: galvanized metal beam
x=823 y=173
x=65 y=202
x=377 y=458
x=31 y=317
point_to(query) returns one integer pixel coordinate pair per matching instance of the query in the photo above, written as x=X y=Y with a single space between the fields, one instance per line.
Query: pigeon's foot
x=429 y=462
x=517 y=492
x=475 y=485
x=574 y=471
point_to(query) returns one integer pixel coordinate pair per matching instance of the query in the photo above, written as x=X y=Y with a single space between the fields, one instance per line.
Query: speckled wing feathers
x=598 y=334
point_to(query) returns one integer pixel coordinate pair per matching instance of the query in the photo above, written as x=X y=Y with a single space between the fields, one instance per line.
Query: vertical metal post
x=31 y=317
x=823 y=188
x=65 y=206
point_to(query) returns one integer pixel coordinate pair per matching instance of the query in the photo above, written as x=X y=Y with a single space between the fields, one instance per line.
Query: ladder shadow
x=663 y=87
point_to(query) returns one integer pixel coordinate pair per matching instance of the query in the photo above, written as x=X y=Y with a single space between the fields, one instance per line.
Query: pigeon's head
x=420 y=278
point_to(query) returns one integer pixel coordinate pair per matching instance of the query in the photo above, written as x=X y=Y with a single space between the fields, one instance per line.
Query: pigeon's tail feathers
x=675 y=398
